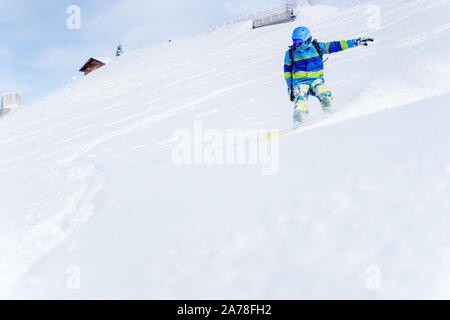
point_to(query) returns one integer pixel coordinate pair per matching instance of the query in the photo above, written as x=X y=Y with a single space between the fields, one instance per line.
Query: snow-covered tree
x=119 y=50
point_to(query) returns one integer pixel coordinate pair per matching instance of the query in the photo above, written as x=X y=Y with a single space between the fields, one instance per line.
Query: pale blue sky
x=39 y=54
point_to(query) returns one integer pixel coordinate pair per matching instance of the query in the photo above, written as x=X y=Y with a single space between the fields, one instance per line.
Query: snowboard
x=271 y=136
x=297 y=125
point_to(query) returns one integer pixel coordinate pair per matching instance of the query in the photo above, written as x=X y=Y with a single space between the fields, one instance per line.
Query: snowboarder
x=303 y=70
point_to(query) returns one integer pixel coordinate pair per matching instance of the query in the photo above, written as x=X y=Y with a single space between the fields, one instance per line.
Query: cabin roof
x=103 y=60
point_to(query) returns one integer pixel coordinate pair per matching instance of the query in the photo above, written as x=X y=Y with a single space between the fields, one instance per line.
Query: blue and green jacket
x=308 y=65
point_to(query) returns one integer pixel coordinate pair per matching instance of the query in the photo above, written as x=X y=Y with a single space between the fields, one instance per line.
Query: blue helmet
x=302 y=35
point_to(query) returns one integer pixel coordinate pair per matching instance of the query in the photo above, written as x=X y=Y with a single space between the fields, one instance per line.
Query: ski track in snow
x=70 y=156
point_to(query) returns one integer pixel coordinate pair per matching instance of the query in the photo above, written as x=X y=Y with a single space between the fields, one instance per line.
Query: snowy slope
x=87 y=178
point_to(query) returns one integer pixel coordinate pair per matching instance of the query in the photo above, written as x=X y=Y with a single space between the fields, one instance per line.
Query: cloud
x=11 y=9
x=243 y=7
x=58 y=58
x=140 y=23
x=5 y=53
x=39 y=52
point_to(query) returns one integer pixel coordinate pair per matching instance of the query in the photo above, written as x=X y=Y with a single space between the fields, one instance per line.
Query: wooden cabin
x=281 y=14
x=9 y=101
x=93 y=64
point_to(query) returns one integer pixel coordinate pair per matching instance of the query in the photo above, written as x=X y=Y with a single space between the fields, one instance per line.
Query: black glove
x=291 y=94
x=364 y=41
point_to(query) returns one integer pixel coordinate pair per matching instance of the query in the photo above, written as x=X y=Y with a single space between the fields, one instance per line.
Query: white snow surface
x=360 y=207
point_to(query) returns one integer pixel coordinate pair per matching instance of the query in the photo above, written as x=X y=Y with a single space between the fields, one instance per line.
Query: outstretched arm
x=337 y=46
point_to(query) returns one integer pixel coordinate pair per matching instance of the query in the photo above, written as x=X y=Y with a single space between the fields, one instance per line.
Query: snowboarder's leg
x=301 y=110
x=321 y=91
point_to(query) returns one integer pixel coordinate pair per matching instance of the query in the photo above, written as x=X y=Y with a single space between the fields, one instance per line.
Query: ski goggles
x=299 y=42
